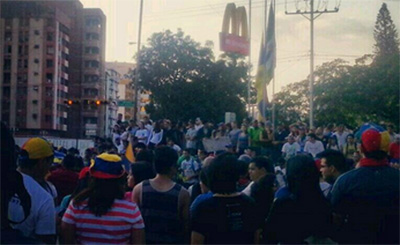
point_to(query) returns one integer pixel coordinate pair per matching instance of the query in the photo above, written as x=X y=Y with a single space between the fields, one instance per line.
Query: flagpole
x=273 y=80
x=249 y=82
x=265 y=28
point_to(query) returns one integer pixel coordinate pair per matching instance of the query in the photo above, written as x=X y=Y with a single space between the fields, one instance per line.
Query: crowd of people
x=294 y=184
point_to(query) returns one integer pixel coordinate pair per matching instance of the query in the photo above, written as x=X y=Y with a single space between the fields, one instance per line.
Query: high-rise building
x=53 y=51
x=112 y=80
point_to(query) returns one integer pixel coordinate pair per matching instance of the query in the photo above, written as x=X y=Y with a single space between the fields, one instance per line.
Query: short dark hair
x=145 y=156
x=336 y=159
x=165 y=157
x=142 y=171
x=223 y=174
x=312 y=135
x=263 y=162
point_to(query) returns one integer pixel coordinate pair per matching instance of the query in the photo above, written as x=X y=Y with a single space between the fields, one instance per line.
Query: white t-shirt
x=341 y=138
x=191 y=144
x=247 y=190
x=290 y=150
x=314 y=148
x=41 y=220
x=156 y=138
x=142 y=133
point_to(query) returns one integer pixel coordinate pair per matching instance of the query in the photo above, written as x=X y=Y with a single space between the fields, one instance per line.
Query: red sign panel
x=233 y=43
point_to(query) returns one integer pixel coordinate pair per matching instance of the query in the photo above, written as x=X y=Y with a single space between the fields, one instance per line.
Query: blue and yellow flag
x=266 y=63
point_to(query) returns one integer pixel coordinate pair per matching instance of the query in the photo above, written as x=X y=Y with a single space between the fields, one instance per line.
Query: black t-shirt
x=227 y=220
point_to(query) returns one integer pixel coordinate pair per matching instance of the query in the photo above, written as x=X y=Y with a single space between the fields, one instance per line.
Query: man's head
x=259 y=167
x=198 y=121
x=375 y=144
x=333 y=164
x=312 y=137
x=223 y=174
x=350 y=139
x=290 y=139
x=186 y=154
x=202 y=154
x=165 y=160
x=255 y=124
x=36 y=158
x=251 y=151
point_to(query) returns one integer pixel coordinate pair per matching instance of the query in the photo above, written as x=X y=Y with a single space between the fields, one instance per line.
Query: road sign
x=126 y=103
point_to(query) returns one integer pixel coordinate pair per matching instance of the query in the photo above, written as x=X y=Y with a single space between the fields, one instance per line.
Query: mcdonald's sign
x=234 y=36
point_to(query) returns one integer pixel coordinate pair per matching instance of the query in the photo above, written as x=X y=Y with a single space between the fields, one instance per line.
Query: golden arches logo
x=237 y=19
x=234 y=35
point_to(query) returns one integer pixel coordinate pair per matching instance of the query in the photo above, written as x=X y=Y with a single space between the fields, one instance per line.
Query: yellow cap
x=38 y=148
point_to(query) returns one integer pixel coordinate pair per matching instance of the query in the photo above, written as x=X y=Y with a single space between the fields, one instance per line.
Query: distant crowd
x=157 y=182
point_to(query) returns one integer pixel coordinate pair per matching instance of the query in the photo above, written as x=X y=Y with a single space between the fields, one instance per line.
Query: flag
x=266 y=63
x=129 y=153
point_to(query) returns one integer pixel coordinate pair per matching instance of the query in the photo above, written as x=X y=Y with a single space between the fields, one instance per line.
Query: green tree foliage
x=186 y=81
x=366 y=91
x=385 y=34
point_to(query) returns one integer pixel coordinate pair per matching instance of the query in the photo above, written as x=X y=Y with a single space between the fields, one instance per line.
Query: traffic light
x=71 y=102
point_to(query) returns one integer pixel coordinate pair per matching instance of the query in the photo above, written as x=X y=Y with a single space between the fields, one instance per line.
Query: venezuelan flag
x=129 y=153
x=266 y=63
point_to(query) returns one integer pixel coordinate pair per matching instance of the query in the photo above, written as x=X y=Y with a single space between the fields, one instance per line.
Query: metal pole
x=249 y=82
x=273 y=81
x=137 y=106
x=312 y=64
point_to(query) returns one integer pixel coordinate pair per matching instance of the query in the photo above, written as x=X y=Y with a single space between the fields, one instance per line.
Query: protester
x=304 y=215
x=258 y=168
x=350 y=147
x=228 y=217
x=290 y=148
x=96 y=213
x=366 y=199
x=35 y=159
x=189 y=168
x=26 y=207
x=333 y=164
x=313 y=146
x=394 y=151
x=162 y=194
x=64 y=178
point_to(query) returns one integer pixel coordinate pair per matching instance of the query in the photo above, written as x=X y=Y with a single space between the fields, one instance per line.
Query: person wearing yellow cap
x=35 y=160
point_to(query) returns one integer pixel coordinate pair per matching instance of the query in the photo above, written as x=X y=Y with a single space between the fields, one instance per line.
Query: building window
x=7 y=64
x=49 y=77
x=93 y=22
x=50 y=36
x=90 y=92
x=90 y=120
x=35 y=88
x=36 y=60
x=50 y=50
x=36 y=46
x=92 y=36
x=48 y=105
x=8 y=36
x=47 y=118
x=34 y=116
x=6 y=92
x=35 y=102
x=8 y=49
x=91 y=78
x=49 y=63
x=6 y=78
x=49 y=92
x=92 y=64
x=36 y=32
x=91 y=50
x=36 y=74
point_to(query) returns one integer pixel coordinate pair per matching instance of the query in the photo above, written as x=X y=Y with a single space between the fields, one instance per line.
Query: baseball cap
x=38 y=148
x=373 y=140
x=107 y=166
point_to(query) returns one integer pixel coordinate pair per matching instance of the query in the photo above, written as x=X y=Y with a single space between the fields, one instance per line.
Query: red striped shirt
x=114 y=227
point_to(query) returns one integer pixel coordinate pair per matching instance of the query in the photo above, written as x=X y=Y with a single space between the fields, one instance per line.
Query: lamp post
x=137 y=73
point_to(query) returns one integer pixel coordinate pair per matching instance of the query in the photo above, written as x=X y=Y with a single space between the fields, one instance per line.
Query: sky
x=347 y=34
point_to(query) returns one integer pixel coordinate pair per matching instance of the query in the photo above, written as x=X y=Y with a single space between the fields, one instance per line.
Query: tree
x=385 y=34
x=186 y=81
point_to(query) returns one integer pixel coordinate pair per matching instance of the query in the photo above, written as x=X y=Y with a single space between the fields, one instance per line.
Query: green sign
x=126 y=103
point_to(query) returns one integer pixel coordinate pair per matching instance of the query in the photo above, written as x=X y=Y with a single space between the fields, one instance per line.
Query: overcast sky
x=347 y=34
